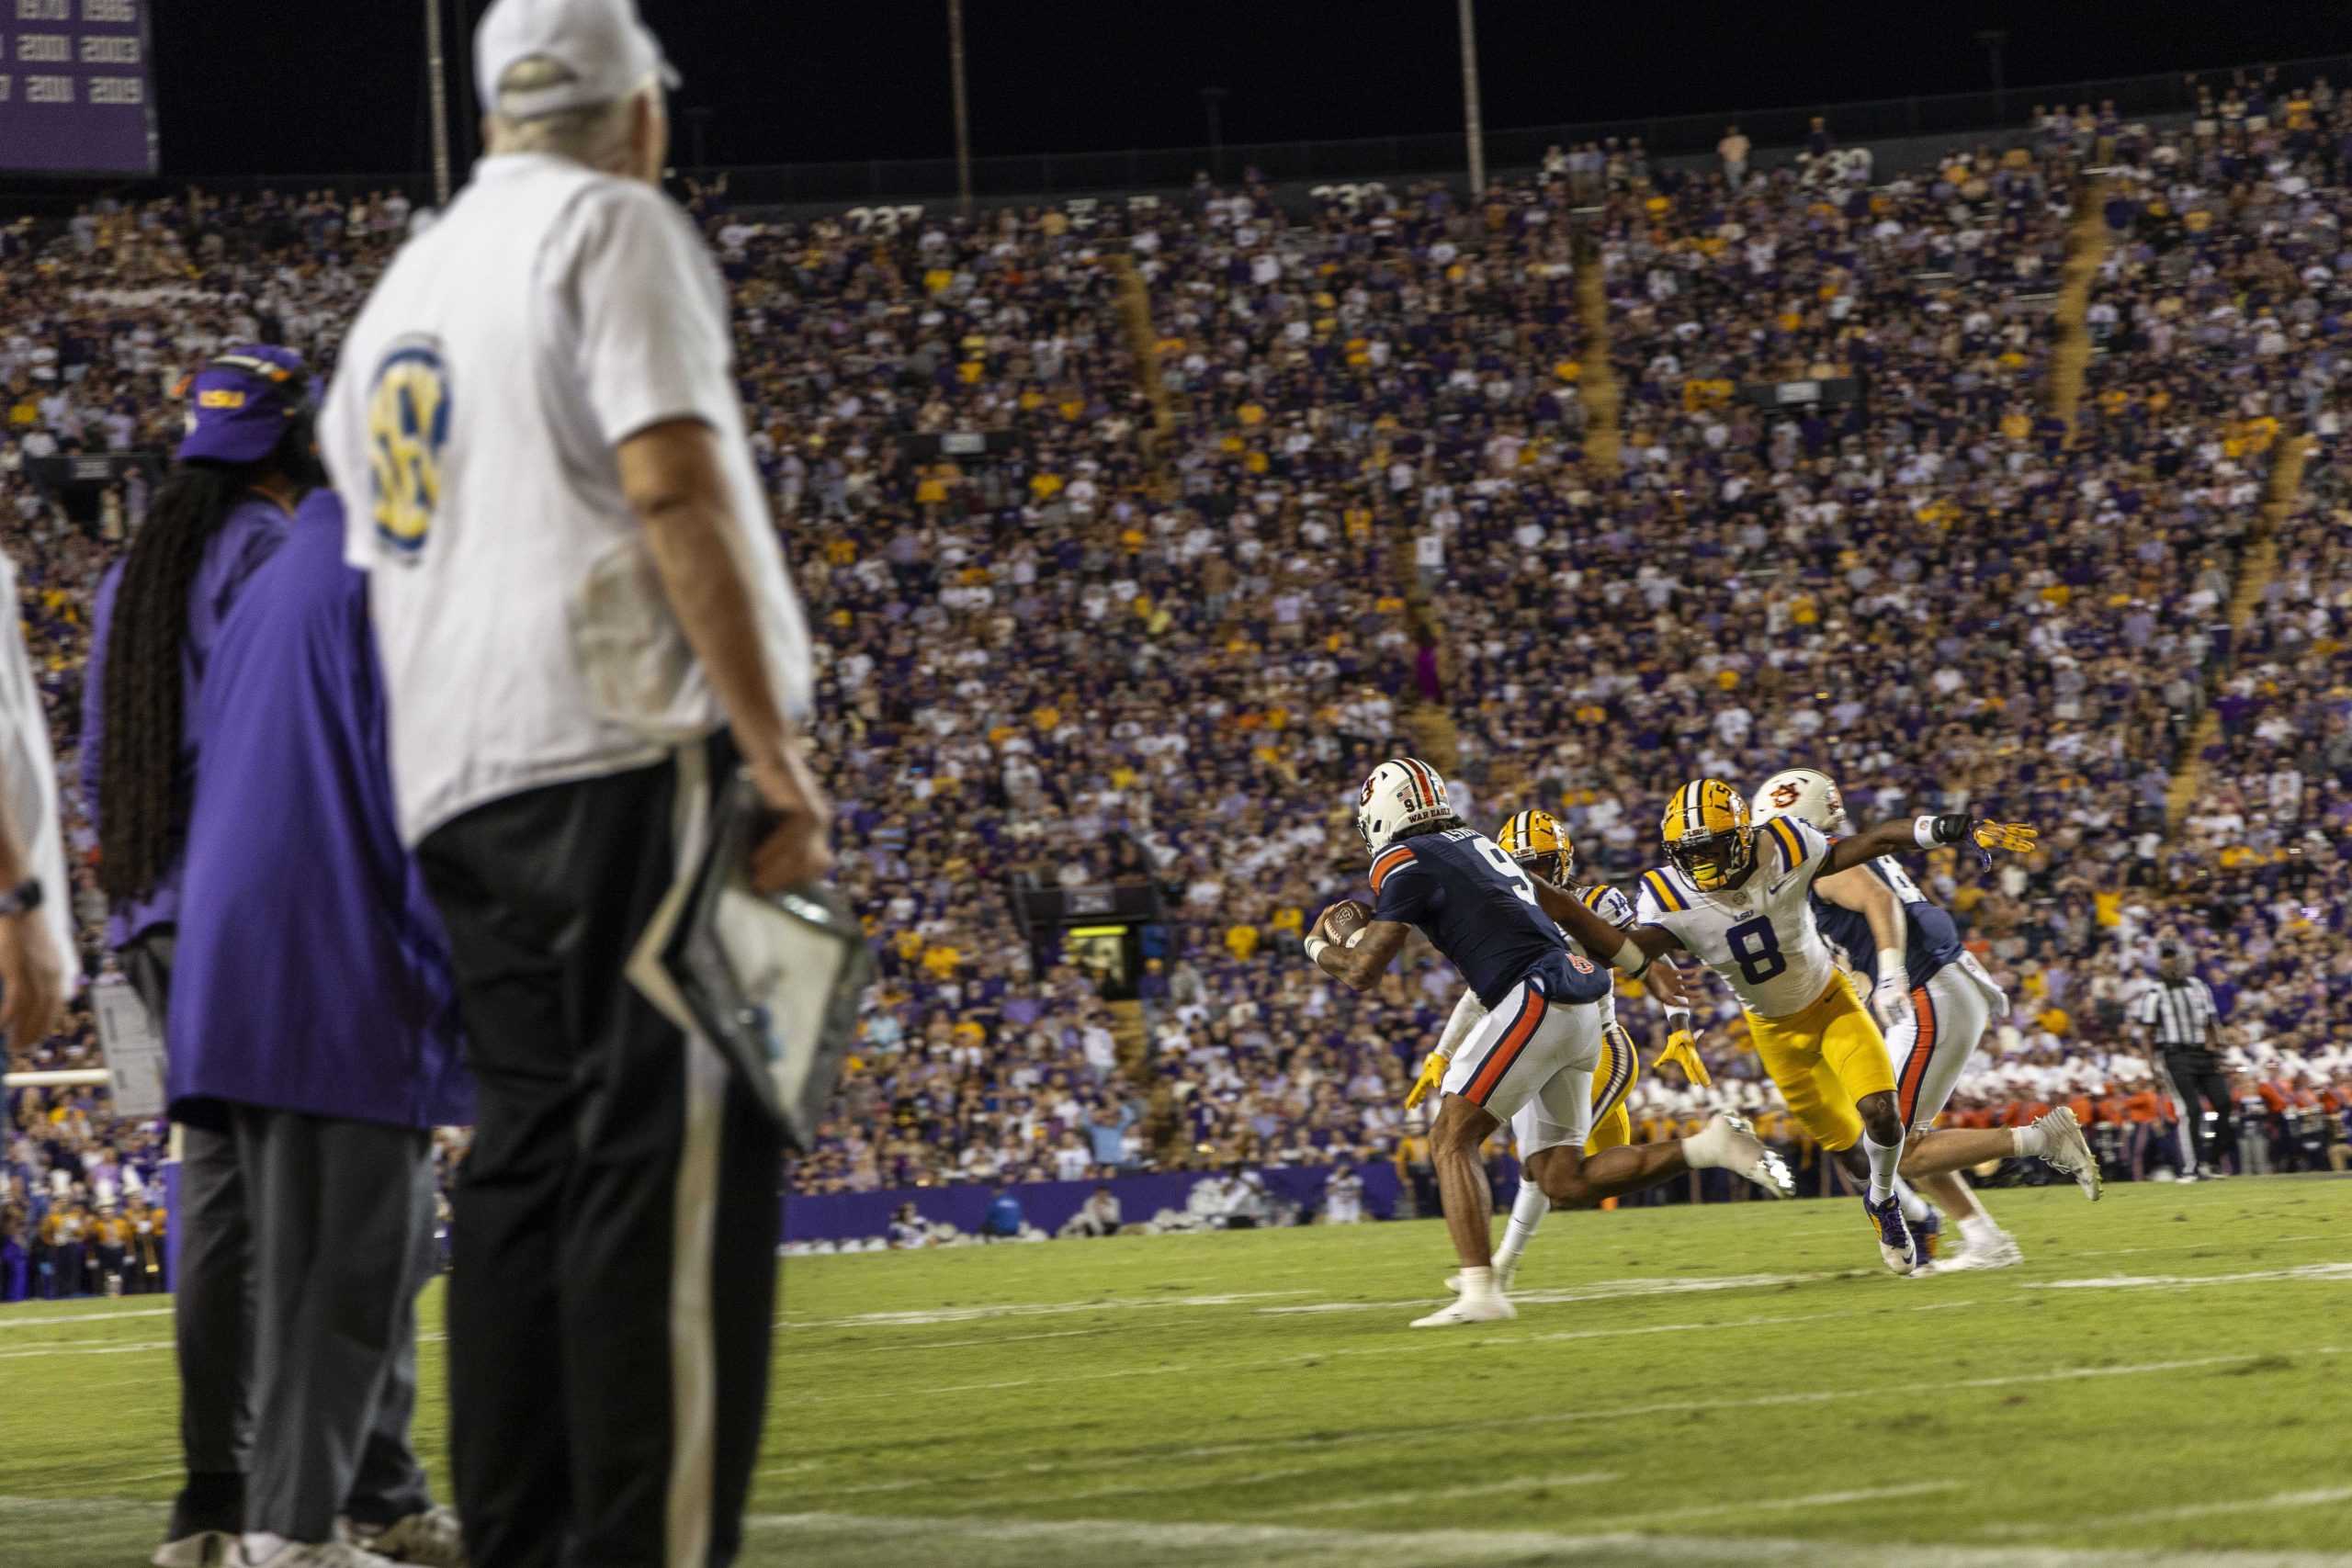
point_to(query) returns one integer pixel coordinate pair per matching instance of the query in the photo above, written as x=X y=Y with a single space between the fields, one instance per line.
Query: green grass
x=1735 y=1383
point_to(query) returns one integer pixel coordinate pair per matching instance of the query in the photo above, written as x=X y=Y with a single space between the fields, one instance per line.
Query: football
x=1342 y=920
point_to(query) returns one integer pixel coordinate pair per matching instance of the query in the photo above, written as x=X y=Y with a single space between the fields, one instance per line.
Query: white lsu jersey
x=1761 y=937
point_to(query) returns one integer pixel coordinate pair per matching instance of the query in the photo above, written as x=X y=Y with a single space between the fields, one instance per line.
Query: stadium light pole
x=963 y=110
x=1213 y=102
x=1992 y=38
x=1472 y=120
x=438 y=94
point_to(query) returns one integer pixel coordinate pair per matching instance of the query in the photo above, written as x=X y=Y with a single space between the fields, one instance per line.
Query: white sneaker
x=431 y=1539
x=2064 y=1148
x=1727 y=1143
x=205 y=1548
x=1494 y=1308
x=261 y=1549
x=2000 y=1252
x=1506 y=1270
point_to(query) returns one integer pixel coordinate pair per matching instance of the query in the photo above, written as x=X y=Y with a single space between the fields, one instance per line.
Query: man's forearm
x=705 y=587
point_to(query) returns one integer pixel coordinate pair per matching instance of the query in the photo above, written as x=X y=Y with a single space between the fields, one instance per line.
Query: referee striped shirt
x=2181 y=1013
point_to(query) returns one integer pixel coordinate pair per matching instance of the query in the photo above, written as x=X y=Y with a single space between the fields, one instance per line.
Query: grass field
x=2169 y=1379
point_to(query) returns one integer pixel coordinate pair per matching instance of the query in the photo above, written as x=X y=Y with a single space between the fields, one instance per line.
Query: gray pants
x=342 y=1244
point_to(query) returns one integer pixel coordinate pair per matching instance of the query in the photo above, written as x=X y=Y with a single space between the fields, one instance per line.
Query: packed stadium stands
x=1413 y=499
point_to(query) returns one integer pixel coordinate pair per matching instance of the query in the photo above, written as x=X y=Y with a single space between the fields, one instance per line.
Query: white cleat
x=2001 y=1252
x=258 y=1550
x=428 y=1539
x=1727 y=1143
x=2065 y=1148
x=1504 y=1274
x=1495 y=1308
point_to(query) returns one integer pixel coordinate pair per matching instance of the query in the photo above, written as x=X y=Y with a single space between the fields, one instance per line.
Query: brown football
x=1342 y=920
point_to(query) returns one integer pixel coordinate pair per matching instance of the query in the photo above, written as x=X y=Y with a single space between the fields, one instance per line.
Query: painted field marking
x=11 y=1320
x=1788 y=1505
x=929 y=1316
x=2318 y=1498
x=1600 y=1291
x=2329 y=1274
x=1448 y=1494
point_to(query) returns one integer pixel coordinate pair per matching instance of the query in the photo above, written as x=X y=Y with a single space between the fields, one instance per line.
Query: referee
x=585 y=626
x=2176 y=1021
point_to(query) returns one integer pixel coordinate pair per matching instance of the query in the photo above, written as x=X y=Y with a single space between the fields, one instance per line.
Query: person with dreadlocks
x=248 y=458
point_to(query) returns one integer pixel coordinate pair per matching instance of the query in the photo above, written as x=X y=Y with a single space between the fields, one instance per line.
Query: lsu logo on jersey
x=408 y=426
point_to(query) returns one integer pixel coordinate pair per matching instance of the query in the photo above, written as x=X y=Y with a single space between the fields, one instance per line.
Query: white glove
x=1892 y=1003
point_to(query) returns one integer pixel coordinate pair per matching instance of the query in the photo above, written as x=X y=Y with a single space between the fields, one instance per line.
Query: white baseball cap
x=604 y=43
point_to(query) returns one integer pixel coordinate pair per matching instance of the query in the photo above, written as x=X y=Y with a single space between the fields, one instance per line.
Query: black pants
x=616 y=1220
x=2197 y=1076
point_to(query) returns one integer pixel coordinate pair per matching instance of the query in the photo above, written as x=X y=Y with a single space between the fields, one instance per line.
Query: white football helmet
x=1403 y=792
x=1807 y=793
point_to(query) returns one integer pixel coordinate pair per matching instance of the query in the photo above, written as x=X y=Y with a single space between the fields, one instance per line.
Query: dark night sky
x=270 y=87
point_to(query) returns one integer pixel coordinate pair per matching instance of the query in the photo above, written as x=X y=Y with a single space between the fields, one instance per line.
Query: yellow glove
x=1682 y=1049
x=1432 y=1075
x=2018 y=838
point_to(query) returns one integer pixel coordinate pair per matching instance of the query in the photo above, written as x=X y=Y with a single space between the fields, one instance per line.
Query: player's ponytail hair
x=142 y=789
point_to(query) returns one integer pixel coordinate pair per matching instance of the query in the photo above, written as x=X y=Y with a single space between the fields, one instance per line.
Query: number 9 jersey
x=1478 y=908
x=1761 y=936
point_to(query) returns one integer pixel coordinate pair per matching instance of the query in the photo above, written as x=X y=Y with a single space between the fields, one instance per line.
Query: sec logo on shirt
x=408 y=426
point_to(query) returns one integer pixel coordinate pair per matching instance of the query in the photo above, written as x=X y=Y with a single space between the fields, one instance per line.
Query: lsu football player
x=1935 y=1001
x=1537 y=842
x=1538 y=1044
x=1739 y=896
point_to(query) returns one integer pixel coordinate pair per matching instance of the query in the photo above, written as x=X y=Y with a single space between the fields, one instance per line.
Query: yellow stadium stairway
x=1163 y=1123
x=2257 y=565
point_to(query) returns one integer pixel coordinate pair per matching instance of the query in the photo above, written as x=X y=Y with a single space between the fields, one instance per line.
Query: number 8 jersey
x=1760 y=936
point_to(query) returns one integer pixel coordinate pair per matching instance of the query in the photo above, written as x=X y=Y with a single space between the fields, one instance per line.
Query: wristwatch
x=21 y=899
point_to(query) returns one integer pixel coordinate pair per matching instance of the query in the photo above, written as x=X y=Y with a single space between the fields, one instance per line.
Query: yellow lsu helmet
x=1537 y=842
x=1706 y=833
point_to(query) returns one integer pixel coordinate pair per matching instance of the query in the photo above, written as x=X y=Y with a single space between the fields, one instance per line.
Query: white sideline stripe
x=10 y=1320
x=2186 y=1247
x=1752 y=1402
x=2324 y=1272
x=1098 y=1541
x=128 y=1347
x=1027 y=1309
x=985 y=1339
x=1790 y=1505
x=1255 y=1478
x=2318 y=1498
x=1447 y=1493
x=1605 y=1290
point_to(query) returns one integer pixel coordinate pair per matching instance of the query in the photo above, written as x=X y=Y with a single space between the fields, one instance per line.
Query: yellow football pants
x=1823 y=1060
x=1612 y=1126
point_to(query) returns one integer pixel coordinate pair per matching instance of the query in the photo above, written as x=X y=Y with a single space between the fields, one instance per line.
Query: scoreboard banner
x=77 y=96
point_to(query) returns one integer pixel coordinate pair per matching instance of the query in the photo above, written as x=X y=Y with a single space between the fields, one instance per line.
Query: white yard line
x=1448 y=1494
x=2324 y=1272
x=2188 y=1246
x=11 y=1320
x=1787 y=1505
x=931 y=1316
x=1600 y=1291
x=124 y=1348
x=2321 y=1497
x=1070 y=1541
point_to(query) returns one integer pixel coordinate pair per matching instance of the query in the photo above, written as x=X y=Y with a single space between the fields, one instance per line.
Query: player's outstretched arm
x=1873 y=899
x=1357 y=964
x=1628 y=950
x=1924 y=833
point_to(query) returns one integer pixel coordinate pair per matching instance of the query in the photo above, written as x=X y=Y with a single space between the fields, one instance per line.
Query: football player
x=1539 y=1041
x=1541 y=847
x=1739 y=896
x=1933 y=1000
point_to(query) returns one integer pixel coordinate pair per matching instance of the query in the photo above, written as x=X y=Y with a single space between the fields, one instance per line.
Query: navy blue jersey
x=1932 y=941
x=1478 y=908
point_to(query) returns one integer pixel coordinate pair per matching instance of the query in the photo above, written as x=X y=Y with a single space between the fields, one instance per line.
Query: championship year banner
x=76 y=95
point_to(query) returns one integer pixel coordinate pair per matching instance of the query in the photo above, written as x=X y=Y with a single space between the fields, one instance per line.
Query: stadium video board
x=75 y=93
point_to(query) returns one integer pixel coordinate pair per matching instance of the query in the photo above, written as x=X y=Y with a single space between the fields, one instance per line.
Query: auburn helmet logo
x=1785 y=795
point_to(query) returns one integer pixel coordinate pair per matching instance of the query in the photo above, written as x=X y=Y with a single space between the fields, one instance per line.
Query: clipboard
x=773 y=980
x=132 y=1046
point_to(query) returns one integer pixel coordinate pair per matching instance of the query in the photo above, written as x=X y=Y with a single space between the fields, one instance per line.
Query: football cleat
x=1707 y=834
x=2000 y=1252
x=1926 y=1236
x=1894 y=1249
x=1492 y=1308
x=1727 y=1143
x=2064 y=1148
x=1506 y=1270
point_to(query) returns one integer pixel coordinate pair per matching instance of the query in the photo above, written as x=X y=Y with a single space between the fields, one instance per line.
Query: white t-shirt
x=552 y=312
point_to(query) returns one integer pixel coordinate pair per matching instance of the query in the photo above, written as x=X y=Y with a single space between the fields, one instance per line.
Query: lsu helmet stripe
x=1520 y=831
x=1389 y=860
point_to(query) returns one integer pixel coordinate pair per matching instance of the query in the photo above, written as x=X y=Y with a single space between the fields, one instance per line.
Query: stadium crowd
x=1385 y=513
